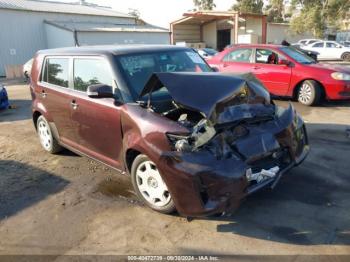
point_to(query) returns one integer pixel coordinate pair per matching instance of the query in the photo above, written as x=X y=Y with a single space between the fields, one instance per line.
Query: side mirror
x=99 y=91
x=284 y=62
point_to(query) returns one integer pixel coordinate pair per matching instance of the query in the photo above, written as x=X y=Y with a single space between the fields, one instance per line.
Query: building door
x=223 y=38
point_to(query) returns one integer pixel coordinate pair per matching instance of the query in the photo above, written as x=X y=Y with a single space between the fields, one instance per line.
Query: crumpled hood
x=209 y=93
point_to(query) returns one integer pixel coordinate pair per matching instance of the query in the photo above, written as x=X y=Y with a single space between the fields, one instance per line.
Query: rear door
x=96 y=121
x=55 y=93
x=237 y=61
x=274 y=75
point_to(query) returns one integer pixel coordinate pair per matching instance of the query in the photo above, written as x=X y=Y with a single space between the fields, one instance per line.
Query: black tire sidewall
x=169 y=208
x=315 y=93
x=346 y=56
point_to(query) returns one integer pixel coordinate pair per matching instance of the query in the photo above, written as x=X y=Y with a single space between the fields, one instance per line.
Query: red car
x=286 y=72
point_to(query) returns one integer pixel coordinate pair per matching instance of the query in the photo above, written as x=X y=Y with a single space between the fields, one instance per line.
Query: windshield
x=297 y=55
x=138 y=68
x=210 y=51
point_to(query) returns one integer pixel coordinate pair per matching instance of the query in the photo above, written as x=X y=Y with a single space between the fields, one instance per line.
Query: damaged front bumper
x=202 y=185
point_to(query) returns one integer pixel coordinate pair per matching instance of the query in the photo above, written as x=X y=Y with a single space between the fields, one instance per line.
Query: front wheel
x=47 y=140
x=149 y=185
x=309 y=93
x=346 y=56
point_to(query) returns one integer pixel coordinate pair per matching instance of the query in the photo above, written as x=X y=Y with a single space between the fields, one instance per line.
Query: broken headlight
x=180 y=143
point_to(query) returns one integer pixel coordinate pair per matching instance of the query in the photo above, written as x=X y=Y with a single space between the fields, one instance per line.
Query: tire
x=346 y=56
x=149 y=185
x=47 y=140
x=309 y=93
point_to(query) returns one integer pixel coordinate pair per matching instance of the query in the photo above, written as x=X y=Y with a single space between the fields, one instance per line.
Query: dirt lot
x=67 y=204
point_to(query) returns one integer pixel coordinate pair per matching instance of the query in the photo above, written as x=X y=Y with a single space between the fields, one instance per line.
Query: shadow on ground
x=20 y=110
x=310 y=205
x=22 y=185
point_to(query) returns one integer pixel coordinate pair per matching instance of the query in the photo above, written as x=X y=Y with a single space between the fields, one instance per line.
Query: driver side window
x=239 y=55
x=267 y=56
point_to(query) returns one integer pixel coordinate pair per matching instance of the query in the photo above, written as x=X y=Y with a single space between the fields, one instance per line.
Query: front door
x=268 y=69
x=96 y=121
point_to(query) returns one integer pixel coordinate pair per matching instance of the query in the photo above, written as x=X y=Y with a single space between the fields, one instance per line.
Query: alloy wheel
x=305 y=93
x=151 y=185
x=45 y=135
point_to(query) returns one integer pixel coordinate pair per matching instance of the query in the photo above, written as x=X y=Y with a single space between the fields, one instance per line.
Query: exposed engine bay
x=238 y=123
x=233 y=139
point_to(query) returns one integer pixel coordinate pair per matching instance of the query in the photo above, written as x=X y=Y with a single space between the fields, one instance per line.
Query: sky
x=157 y=12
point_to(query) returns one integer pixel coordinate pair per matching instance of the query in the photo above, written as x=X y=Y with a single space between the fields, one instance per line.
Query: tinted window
x=56 y=71
x=297 y=55
x=318 y=45
x=312 y=41
x=91 y=72
x=331 y=45
x=239 y=55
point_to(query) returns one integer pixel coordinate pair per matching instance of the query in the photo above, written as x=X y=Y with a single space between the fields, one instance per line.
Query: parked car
x=345 y=43
x=197 y=142
x=308 y=41
x=309 y=53
x=207 y=53
x=27 y=68
x=286 y=72
x=329 y=50
x=4 y=100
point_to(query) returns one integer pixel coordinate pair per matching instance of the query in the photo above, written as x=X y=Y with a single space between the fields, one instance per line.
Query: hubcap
x=305 y=93
x=151 y=184
x=44 y=135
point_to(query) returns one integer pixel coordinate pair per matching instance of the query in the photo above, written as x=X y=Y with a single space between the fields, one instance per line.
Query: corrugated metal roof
x=106 y=27
x=58 y=7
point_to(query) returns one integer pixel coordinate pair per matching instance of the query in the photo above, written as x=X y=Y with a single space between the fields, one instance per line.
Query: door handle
x=225 y=65
x=256 y=67
x=43 y=94
x=74 y=105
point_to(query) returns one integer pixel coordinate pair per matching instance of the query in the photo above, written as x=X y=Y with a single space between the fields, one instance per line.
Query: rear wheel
x=149 y=185
x=47 y=140
x=346 y=56
x=309 y=93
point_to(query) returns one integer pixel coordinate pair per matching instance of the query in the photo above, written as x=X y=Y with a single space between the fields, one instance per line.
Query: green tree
x=204 y=4
x=249 y=6
x=275 y=11
x=317 y=15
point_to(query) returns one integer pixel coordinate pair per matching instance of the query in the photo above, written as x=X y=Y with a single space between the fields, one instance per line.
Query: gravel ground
x=67 y=204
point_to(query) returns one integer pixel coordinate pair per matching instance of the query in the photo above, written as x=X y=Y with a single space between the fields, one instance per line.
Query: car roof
x=256 y=45
x=111 y=49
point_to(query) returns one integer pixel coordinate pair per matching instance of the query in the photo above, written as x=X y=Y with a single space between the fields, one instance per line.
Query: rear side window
x=318 y=45
x=91 y=72
x=56 y=71
x=239 y=55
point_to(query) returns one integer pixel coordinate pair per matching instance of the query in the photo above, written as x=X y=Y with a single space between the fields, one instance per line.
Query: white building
x=27 y=26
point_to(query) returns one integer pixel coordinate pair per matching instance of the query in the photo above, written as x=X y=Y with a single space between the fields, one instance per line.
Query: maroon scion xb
x=192 y=140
